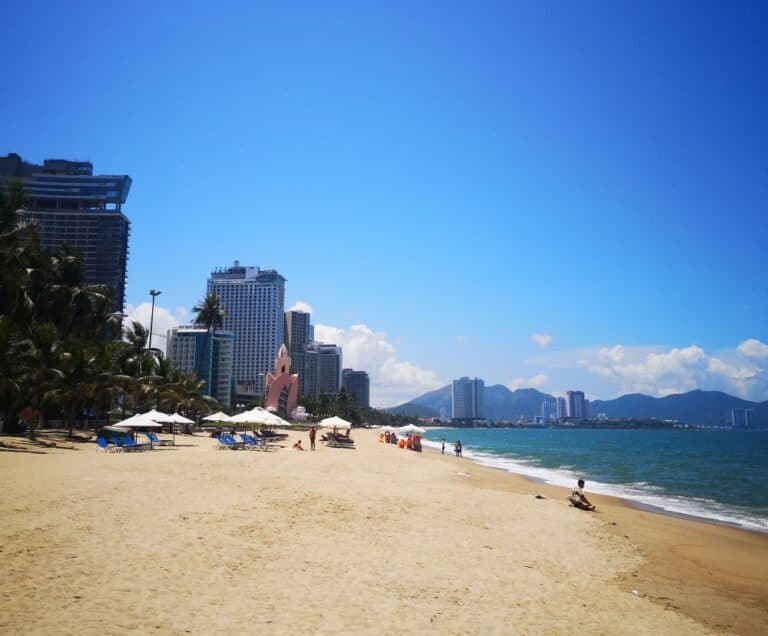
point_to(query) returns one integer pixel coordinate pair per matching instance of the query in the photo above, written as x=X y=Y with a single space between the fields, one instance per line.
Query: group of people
x=312 y=437
x=456 y=448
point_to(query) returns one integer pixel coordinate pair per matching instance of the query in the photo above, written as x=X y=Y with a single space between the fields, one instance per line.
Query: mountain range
x=707 y=408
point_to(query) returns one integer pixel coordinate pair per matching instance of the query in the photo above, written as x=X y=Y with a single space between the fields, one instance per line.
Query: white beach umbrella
x=410 y=429
x=335 y=422
x=140 y=420
x=217 y=417
x=178 y=418
x=159 y=416
x=255 y=416
x=388 y=429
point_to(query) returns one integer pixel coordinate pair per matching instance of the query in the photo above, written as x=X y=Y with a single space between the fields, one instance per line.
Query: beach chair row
x=246 y=442
x=117 y=443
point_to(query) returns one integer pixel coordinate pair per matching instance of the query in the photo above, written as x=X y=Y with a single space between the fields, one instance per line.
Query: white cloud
x=537 y=381
x=753 y=348
x=542 y=340
x=393 y=381
x=658 y=371
x=461 y=339
x=164 y=320
x=300 y=305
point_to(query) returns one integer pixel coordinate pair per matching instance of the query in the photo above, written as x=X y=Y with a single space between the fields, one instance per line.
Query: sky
x=559 y=195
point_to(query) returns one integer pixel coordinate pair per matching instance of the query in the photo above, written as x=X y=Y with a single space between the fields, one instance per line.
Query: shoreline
x=714 y=563
x=654 y=508
x=375 y=540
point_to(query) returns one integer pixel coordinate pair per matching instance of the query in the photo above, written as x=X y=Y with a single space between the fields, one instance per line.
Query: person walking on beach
x=442 y=450
x=457 y=448
x=578 y=499
x=312 y=434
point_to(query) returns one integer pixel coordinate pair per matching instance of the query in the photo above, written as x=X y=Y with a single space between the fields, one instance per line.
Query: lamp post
x=154 y=293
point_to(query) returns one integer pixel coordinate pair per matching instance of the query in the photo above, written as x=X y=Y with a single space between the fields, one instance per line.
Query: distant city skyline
x=552 y=196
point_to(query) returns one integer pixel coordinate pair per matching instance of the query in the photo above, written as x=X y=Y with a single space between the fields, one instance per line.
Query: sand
x=372 y=540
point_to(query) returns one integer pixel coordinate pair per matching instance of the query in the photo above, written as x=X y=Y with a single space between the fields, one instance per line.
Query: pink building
x=282 y=393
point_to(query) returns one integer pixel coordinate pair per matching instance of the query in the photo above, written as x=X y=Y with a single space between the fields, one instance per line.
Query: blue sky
x=456 y=177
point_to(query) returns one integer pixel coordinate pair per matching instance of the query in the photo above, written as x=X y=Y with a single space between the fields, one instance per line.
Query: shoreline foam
x=642 y=495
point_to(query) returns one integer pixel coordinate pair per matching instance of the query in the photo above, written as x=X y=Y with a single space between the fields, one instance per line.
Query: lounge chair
x=340 y=441
x=103 y=447
x=223 y=443
x=154 y=439
x=249 y=442
x=126 y=443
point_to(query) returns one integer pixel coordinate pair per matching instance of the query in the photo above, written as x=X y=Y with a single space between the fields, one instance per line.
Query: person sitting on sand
x=579 y=499
x=298 y=445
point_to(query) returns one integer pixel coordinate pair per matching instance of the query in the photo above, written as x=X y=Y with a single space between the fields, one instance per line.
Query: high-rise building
x=209 y=355
x=298 y=331
x=547 y=410
x=75 y=207
x=468 y=399
x=359 y=384
x=741 y=418
x=561 y=408
x=576 y=406
x=328 y=367
x=253 y=301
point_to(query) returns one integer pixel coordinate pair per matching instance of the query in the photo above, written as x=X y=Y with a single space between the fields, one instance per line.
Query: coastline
x=636 y=496
x=367 y=541
x=719 y=567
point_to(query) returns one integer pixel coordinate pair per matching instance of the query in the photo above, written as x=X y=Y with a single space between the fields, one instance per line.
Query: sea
x=712 y=475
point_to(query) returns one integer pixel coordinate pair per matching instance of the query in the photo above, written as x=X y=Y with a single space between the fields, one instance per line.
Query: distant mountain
x=708 y=408
x=500 y=403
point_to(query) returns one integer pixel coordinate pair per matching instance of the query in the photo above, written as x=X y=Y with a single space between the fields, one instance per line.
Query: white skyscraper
x=561 y=408
x=468 y=399
x=253 y=300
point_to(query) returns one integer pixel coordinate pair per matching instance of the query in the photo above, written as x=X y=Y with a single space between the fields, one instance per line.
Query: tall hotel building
x=577 y=407
x=253 y=300
x=75 y=207
x=298 y=335
x=207 y=354
x=467 y=399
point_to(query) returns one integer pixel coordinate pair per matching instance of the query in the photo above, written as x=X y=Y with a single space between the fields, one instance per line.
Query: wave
x=642 y=493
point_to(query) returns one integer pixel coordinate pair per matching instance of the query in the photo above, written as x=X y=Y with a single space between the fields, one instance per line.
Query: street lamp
x=154 y=293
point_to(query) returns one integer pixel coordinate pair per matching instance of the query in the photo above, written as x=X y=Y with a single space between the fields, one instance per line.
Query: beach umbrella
x=140 y=420
x=256 y=415
x=410 y=429
x=334 y=422
x=159 y=416
x=180 y=419
x=217 y=417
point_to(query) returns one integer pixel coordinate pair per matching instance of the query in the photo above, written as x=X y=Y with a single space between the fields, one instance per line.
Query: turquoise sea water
x=720 y=476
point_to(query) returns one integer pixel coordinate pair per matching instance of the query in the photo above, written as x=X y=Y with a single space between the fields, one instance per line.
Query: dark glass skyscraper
x=83 y=210
x=358 y=383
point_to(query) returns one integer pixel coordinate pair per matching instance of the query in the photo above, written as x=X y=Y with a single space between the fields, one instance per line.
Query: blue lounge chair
x=126 y=443
x=249 y=443
x=235 y=444
x=104 y=447
x=225 y=443
x=160 y=442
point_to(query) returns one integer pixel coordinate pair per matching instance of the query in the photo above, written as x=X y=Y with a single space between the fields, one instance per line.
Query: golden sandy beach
x=372 y=540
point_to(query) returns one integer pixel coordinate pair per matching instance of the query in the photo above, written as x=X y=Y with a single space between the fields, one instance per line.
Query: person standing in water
x=442 y=450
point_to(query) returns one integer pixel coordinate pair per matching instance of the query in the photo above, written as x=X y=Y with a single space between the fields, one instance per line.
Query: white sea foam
x=642 y=493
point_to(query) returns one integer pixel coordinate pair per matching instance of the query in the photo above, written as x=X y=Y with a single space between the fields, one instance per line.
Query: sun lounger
x=104 y=447
x=224 y=443
x=340 y=441
x=154 y=439
x=126 y=443
x=249 y=442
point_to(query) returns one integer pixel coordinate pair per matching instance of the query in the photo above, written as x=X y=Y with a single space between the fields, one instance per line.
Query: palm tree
x=210 y=315
x=41 y=358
